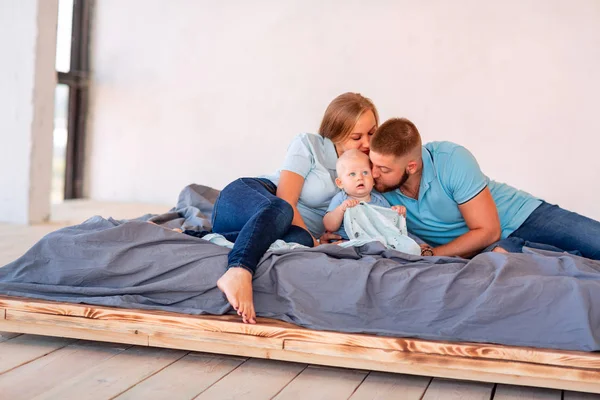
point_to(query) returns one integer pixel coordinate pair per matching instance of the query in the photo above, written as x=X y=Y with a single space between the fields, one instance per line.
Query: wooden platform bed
x=277 y=340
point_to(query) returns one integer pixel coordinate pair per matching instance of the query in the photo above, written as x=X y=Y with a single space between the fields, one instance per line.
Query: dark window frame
x=77 y=79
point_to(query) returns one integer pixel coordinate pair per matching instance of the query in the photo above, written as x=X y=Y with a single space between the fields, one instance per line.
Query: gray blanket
x=538 y=299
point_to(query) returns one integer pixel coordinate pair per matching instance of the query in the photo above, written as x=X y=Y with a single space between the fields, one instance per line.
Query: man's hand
x=349 y=204
x=401 y=210
x=427 y=250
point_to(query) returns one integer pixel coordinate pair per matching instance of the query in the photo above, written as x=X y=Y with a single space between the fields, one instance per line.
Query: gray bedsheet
x=538 y=299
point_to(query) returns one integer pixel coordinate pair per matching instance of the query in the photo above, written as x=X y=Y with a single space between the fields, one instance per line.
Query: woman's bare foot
x=236 y=283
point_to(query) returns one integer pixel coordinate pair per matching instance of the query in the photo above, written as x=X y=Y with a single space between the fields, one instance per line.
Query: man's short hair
x=396 y=136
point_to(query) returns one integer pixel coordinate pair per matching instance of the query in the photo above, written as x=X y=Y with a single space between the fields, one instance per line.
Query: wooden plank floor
x=38 y=367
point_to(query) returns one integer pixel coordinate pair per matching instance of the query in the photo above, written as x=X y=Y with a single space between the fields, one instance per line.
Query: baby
x=355 y=179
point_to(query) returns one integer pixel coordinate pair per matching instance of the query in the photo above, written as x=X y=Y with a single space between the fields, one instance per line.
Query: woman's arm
x=481 y=215
x=289 y=189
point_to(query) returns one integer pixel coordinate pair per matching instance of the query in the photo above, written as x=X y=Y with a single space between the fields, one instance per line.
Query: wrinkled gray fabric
x=537 y=299
x=193 y=210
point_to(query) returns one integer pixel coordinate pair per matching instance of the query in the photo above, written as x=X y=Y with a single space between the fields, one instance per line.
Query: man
x=458 y=210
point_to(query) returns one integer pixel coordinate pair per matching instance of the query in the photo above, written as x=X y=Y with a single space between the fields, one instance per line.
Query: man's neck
x=413 y=184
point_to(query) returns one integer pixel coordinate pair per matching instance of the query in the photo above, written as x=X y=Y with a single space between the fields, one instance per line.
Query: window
x=71 y=97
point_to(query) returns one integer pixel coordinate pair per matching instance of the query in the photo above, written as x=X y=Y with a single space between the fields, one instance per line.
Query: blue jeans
x=248 y=213
x=550 y=227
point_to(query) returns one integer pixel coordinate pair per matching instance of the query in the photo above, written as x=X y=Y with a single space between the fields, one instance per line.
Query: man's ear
x=338 y=182
x=411 y=167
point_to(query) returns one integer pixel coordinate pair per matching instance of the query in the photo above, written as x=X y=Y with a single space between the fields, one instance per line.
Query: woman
x=289 y=205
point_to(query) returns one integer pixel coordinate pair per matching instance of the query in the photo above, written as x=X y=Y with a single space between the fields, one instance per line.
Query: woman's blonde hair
x=343 y=113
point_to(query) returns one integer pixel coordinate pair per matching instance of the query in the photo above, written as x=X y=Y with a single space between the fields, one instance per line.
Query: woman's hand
x=327 y=237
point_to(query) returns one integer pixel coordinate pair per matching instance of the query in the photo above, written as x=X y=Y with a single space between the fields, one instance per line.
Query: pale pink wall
x=203 y=91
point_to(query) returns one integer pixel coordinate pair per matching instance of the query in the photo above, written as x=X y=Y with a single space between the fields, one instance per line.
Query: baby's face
x=356 y=178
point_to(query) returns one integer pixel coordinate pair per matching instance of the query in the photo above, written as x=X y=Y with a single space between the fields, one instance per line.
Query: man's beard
x=382 y=189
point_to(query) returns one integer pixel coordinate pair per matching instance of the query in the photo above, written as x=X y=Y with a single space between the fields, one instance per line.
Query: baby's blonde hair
x=348 y=155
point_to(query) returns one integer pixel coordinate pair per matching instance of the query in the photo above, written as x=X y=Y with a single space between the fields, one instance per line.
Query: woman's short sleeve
x=299 y=158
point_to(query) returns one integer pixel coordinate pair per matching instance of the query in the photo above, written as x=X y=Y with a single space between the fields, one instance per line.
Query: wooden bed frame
x=568 y=370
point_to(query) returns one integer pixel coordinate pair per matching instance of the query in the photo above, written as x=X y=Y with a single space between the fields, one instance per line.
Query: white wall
x=204 y=91
x=27 y=82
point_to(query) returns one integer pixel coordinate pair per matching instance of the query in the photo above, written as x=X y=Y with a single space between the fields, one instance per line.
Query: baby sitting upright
x=354 y=178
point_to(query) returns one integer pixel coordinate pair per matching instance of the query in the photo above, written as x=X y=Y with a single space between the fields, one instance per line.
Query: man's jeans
x=248 y=213
x=550 y=227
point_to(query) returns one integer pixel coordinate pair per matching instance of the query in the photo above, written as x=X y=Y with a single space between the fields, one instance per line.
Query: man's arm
x=481 y=215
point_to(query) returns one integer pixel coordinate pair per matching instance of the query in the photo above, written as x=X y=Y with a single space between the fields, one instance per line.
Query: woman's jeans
x=550 y=227
x=248 y=213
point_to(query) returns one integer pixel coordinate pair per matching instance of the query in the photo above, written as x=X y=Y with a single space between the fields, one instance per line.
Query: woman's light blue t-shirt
x=451 y=176
x=313 y=157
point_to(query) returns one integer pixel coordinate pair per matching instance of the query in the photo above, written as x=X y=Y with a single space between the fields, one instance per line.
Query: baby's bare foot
x=500 y=250
x=236 y=283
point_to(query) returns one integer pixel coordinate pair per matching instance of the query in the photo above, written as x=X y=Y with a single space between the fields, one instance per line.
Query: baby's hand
x=349 y=204
x=401 y=210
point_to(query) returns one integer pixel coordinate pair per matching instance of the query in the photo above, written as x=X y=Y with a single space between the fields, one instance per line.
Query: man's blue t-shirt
x=451 y=176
